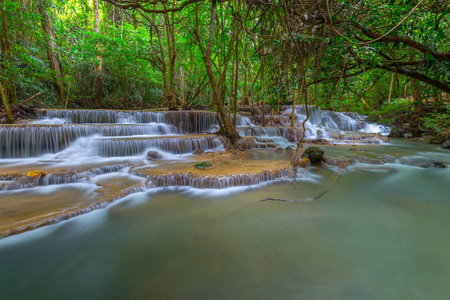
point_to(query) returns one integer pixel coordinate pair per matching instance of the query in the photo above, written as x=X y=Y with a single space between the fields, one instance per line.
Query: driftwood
x=276 y=199
x=328 y=187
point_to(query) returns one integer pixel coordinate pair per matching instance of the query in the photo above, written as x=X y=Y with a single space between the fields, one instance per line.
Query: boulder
x=151 y=155
x=315 y=154
x=198 y=152
x=446 y=145
x=320 y=141
x=434 y=164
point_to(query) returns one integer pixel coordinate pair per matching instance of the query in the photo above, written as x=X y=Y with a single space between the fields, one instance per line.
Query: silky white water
x=378 y=232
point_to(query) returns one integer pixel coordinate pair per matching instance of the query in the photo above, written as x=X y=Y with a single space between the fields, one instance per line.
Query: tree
x=49 y=38
x=98 y=83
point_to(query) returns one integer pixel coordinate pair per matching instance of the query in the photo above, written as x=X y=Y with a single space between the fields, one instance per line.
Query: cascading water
x=130 y=147
x=187 y=122
x=34 y=140
x=178 y=231
x=66 y=149
x=327 y=125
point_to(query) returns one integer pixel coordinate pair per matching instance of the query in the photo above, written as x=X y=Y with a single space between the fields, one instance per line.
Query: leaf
x=36 y=173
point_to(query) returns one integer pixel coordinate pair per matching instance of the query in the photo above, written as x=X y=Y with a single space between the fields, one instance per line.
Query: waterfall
x=214 y=182
x=130 y=147
x=34 y=140
x=187 y=122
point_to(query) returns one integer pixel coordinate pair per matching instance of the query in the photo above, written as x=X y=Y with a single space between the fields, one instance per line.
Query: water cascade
x=88 y=158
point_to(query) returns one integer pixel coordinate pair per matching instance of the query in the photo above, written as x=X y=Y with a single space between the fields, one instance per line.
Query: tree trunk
x=5 y=103
x=171 y=95
x=49 y=39
x=293 y=109
x=390 y=89
x=263 y=86
x=98 y=82
x=7 y=60
x=229 y=131
x=236 y=77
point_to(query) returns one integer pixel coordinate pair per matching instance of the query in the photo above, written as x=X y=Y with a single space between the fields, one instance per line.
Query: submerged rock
x=153 y=155
x=358 y=150
x=315 y=154
x=434 y=164
x=446 y=145
x=199 y=152
x=320 y=141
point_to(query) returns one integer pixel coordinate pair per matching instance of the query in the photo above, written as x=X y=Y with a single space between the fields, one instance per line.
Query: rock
x=408 y=135
x=434 y=164
x=304 y=163
x=199 y=152
x=278 y=150
x=315 y=154
x=151 y=155
x=446 y=145
x=290 y=148
x=365 y=160
x=341 y=163
x=358 y=150
x=320 y=141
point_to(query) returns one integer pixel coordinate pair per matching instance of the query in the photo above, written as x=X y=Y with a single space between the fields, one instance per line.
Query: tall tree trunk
x=170 y=35
x=263 y=86
x=293 y=109
x=5 y=103
x=390 y=89
x=7 y=60
x=236 y=77
x=52 y=55
x=229 y=131
x=98 y=82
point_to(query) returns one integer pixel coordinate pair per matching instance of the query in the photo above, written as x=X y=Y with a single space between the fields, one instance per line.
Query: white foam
x=49 y=121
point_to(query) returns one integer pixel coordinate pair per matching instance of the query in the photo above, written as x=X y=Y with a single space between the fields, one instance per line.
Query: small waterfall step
x=109 y=147
x=185 y=121
x=29 y=140
x=227 y=171
x=293 y=134
x=17 y=180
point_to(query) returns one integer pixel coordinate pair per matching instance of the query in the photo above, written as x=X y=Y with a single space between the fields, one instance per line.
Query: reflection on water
x=376 y=234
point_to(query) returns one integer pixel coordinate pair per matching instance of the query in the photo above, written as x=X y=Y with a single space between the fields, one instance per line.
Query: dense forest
x=387 y=59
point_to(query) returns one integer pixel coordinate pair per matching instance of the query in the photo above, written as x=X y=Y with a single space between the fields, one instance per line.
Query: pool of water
x=377 y=233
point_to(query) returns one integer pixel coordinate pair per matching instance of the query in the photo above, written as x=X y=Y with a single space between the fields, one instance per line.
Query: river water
x=377 y=233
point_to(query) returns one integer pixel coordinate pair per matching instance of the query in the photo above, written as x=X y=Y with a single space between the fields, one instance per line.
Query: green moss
x=203 y=165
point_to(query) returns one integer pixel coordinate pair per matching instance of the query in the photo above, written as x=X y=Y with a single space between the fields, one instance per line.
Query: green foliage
x=203 y=165
x=438 y=122
x=132 y=54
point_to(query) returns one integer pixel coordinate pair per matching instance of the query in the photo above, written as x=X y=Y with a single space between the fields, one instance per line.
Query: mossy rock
x=203 y=165
x=315 y=154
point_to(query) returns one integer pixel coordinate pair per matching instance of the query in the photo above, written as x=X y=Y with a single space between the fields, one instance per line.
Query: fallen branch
x=21 y=104
x=31 y=98
x=275 y=199
x=328 y=187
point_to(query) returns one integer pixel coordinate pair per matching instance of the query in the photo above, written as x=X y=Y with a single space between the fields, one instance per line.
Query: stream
x=379 y=232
